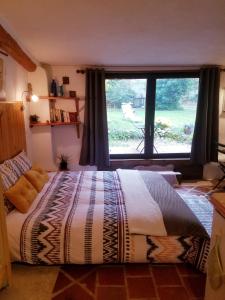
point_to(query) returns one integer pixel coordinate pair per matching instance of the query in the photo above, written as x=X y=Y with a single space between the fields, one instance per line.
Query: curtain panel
x=205 y=138
x=95 y=149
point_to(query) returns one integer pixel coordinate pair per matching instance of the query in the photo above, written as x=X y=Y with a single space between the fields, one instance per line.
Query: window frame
x=151 y=78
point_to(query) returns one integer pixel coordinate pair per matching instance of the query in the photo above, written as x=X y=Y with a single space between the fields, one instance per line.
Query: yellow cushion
x=21 y=194
x=37 y=179
x=41 y=171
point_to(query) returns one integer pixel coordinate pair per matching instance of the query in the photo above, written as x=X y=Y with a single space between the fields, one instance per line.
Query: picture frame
x=66 y=80
x=72 y=94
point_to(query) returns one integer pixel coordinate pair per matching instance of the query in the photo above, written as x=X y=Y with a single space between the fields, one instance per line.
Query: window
x=151 y=115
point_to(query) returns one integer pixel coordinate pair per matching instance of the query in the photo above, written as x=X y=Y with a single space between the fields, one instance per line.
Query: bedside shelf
x=52 y=101
x=52 y=124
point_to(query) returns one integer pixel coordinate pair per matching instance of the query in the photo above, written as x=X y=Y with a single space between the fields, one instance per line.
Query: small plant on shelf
x=63 y=162
x=34 y=118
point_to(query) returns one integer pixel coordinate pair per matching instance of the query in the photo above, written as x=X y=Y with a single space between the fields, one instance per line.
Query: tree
x=119 y=91
x=170 y=93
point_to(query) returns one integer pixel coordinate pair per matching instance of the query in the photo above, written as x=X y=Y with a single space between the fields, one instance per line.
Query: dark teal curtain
x=95 y=149
x=205 y=138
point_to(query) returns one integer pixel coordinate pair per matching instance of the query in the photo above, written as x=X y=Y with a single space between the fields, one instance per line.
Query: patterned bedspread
x=80 y=217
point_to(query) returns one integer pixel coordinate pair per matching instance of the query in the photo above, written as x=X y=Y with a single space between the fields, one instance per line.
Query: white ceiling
x=119 y=32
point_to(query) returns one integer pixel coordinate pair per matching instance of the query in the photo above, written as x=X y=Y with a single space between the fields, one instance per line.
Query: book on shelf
x=59 y=115
x=73 y=116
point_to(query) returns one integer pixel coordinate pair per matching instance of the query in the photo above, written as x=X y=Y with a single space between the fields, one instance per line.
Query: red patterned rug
x=133 y=281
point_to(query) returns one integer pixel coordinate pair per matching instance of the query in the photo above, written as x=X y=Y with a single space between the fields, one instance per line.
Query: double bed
x=123 y=216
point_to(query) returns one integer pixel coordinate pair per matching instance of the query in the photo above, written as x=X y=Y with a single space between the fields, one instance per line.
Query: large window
x=151 y=115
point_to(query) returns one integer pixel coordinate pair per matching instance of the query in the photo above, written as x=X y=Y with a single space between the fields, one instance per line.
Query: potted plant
x=63 y=162
x=34 y=118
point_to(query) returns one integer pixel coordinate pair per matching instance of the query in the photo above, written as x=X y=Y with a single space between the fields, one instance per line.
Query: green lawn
x=177 y=118
x=122 y=130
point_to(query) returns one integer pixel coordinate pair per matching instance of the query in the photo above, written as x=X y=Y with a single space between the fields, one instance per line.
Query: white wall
x=40 y=137
x=48 y=142
x=14 y=79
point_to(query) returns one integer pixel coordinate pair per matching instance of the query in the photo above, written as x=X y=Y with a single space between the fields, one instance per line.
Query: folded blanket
x=144 y=214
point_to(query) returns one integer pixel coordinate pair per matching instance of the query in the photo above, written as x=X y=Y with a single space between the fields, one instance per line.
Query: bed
x=123 y=216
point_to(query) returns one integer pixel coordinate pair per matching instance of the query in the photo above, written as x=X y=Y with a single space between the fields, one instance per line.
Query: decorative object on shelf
x=34 y=118
x=66 y=80
x=73 y=116
x=53 y=89
x=60 y=90
x=81 y=71
x=59 y=117
x=72 y=94
x=63 y=162
x=30 y=95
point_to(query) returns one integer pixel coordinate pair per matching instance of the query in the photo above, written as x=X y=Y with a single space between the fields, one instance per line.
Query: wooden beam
x=11 y=47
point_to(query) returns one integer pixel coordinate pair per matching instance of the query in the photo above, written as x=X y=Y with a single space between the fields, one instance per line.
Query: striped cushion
x=10 y=171
x=8 y=179
x=19 y=164
x=13 y=168
x=8 y=176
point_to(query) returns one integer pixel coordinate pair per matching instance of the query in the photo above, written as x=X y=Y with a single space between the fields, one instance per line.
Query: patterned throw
x=80 y=217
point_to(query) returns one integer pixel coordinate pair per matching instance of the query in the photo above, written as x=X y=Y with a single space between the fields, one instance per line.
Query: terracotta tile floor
x=133 y=281
x=126 y=282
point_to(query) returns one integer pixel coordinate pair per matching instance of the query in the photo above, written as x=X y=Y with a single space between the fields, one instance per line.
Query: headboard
x=12 y=129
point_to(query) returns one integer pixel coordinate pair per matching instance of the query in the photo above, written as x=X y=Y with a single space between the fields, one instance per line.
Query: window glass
x=175 y=112
x=160 y=106
x=125 y=100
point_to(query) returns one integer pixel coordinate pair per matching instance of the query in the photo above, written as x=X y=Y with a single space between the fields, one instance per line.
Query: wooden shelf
x=53 y=123
x=52 y=100
x=62 y=97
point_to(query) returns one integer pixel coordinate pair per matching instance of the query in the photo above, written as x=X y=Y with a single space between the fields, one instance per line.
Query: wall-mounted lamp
x=30 y=96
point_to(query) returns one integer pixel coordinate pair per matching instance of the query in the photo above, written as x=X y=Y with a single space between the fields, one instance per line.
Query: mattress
x=81 y=218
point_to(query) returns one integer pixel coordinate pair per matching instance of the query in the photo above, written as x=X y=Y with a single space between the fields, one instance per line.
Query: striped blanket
x=81 y=217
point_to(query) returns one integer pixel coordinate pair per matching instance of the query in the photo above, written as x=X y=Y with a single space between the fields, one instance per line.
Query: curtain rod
x=82 y=71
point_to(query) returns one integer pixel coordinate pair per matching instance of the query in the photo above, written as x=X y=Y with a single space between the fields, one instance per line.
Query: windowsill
x=150 y=159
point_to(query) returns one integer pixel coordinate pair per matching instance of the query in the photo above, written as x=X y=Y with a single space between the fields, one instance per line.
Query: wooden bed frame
x=12 y=129
x=12 y=141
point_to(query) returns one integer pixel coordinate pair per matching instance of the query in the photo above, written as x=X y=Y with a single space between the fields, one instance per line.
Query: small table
x=142 y=128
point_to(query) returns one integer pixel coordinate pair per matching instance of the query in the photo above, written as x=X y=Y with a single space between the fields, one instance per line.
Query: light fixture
x=30 y=96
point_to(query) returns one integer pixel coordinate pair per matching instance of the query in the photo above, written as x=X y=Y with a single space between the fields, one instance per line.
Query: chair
x=221 y=149
x=129 y=112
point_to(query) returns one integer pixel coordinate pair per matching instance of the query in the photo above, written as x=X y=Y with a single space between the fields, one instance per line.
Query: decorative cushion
x=8 y=177
x=8 y=205
x=20 y=163
x=37 y=178
x=40 y=170
x=21 y=194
